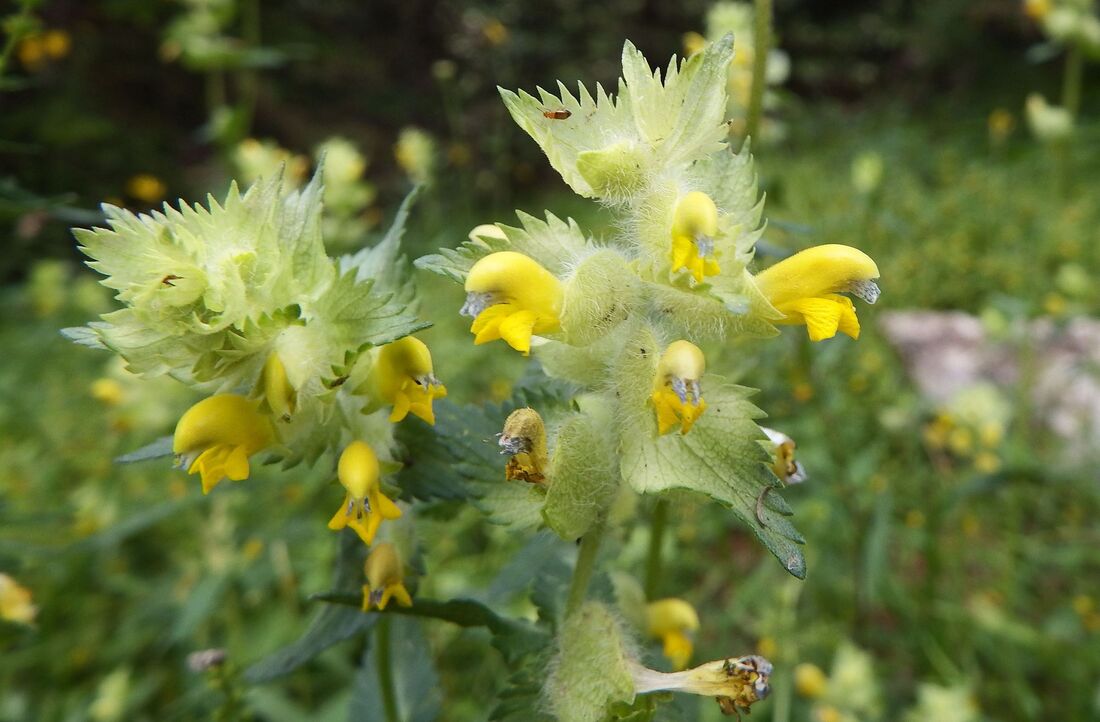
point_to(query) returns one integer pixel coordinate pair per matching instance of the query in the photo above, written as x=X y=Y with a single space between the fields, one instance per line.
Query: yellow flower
x=146 y=188
x=512 y=297
x=402 y=375
x=671 y=621
x=694 y=226
x=385 y=579
x=805 y=288
x=107 y=390
x=365 y=507
x=736 y=682
x=15 y=602
x=693 y=43
x=524 y=437
x=216 y=436
x=1001 y=124
x=676 y=393
x=809 y=680
x=785 y=466
x=280 y=394
x=1037 y=9
x=31 y=51
x=56 y=43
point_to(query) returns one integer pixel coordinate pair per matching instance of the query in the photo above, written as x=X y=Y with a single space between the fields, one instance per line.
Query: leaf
x=383 y=262
x=331 y=625
x=514 y=638
x=158 y=449
x=721 y=456
x=84 y=336
x=416 y=683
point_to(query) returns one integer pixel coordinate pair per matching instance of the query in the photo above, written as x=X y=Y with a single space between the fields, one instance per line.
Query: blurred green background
x=953 y=546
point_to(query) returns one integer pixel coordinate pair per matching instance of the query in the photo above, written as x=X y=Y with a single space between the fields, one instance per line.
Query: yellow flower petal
x=516 y=330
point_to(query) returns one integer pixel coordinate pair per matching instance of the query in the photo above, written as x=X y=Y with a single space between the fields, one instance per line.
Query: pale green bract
x=209 y=294
x=611 y=148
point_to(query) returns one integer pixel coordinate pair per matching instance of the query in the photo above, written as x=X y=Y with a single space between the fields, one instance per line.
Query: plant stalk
x=762 y=32
x=656 y=541
x=1072 y=80
x=586 y=565
x=383 y=659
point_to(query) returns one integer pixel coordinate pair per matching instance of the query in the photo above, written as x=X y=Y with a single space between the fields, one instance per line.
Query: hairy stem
x=656 y=540
x=762 y=31
x=385 y=669
x=586 y=565
x=1072 y=80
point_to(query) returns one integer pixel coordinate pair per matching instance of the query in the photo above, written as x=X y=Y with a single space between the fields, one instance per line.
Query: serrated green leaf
x=384 y=262
x=721 y=456
x=332 y=624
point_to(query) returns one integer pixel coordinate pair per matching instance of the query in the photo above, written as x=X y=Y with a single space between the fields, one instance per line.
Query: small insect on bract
x=556 y=114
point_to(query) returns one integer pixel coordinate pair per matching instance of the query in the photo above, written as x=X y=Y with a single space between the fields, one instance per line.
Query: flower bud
x=385 y=578
x=677 y=396
x=365 y=507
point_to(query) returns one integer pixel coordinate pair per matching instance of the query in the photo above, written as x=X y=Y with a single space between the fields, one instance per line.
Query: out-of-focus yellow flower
x=280 y=394
x=1037 y=9
x=15 y=602
x=693 y=43
x=1054 y=304
x=809 y=680
x=107 y=391
x=1083 y=605
x=56 y=43
x=805 y=288
x=677 y=395
x=766 y=646
x=524 y=437
x=495 y=32
x=1001 y=124
x=146 y=188
x=385 y=579
x=694 y=226
x=415 y=153
x=402 y=375
x=672 y=621
x=31 y=51
x=511 y=297
x=987 y=462
x=914 y=519
x=216 y=436
x=867 y=171
x=785 y=466
x=365 y=507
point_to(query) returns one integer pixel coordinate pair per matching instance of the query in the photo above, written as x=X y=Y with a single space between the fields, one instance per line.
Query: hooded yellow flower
x=694 y=226
x=512 y=297
x=365 y=507
x=524 y=437
x=15 y=602
x=402 y=376
x=806 y=288
x=385 y=579
x=677 y=396
x=672 y=620
x=216 y=436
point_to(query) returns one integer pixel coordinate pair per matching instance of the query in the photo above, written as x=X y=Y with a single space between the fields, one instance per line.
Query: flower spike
x=694 y=226
x=805 y=288
x=677 y=396
x=365 y=507
x=385 y=579
x=403 y=376
x=216 y=436
x=511 y=297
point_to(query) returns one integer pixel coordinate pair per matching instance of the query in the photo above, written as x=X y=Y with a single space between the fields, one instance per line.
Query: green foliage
x=591 y=671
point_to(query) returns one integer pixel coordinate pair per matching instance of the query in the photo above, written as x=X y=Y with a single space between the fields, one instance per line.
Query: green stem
x=1072 y=80
x=656 y=540
x=249 y=79
x=18 y=24
x=586 y=565
x=385 y=669
x=762 y=40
